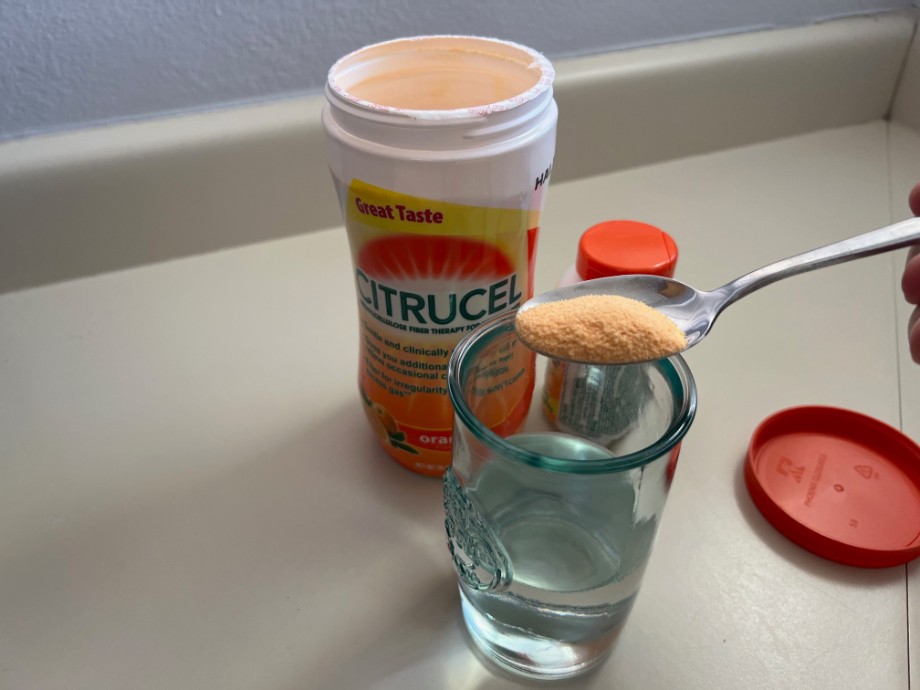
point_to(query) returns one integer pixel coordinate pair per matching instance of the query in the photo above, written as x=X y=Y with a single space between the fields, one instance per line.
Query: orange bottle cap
x=620 y=247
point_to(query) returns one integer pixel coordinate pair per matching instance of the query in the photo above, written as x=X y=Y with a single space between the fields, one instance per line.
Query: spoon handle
x=885 y=239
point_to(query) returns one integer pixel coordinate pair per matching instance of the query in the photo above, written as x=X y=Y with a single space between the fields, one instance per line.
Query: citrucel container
x=441 y=149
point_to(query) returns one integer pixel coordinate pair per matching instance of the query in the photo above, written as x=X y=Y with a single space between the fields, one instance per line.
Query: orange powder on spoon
x=600 y=329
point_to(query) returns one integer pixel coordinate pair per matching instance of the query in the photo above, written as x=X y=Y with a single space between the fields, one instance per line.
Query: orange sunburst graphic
x=401 y=257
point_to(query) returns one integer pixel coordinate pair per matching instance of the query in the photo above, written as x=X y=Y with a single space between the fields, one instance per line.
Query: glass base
x=525 y=654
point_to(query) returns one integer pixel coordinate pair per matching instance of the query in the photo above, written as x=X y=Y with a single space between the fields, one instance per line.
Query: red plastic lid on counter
x=841 y=484
x=621 y=247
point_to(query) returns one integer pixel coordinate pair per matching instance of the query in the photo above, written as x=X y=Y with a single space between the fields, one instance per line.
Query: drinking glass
x=550 y=528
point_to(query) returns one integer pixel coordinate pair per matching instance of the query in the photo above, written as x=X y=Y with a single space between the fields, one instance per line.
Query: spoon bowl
x=688 y=308
x=695 y=311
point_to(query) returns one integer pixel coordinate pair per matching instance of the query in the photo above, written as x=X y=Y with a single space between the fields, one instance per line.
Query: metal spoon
x=695 y=311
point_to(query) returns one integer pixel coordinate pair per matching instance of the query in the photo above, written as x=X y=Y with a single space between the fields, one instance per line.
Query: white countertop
x=190 y=497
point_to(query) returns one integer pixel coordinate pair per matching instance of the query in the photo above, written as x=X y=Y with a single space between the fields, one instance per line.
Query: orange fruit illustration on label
x=379 y=428
x=386 y=420
x=386 y=428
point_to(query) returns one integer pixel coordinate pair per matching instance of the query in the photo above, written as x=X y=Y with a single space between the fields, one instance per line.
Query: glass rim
x=674 y=368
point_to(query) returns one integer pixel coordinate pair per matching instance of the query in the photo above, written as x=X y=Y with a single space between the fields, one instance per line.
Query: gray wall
x=71 y=63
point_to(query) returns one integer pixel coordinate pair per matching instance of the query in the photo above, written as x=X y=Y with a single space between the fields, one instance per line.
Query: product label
x=600 y=403
x=427 y=272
